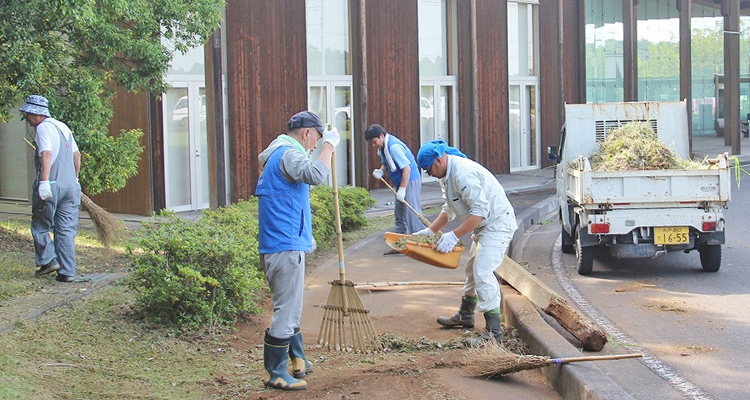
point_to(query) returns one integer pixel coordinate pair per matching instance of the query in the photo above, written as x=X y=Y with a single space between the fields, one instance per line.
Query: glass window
x=433 y=38
x=190 y=63
x=707 y=50
x=520 y=40
x=658 y=51
x=604 y=51
x=327 y=37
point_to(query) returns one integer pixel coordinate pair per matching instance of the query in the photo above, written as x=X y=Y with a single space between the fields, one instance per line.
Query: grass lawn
x=97 y=348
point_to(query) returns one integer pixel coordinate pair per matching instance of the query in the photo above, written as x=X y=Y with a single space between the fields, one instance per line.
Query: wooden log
x=591 y=336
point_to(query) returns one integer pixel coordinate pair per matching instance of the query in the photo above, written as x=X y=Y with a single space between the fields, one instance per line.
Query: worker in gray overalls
x=56 y=197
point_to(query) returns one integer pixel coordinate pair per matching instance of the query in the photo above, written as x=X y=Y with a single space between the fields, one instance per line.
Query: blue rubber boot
x=300 y=365
x=275 y=353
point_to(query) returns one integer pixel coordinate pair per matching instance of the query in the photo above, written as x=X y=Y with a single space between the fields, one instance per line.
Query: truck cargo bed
x=648 y=188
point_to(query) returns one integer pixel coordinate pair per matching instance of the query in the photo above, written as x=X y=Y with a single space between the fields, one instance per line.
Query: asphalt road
x=691 y=325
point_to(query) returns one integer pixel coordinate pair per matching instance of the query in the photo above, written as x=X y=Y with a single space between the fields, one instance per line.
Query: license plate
x=671 y=235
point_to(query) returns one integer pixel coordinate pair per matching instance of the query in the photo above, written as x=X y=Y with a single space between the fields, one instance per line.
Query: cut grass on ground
x=96 y=348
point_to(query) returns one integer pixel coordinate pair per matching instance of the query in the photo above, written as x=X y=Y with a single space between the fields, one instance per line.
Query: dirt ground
x=415 y=368
x=414 y=374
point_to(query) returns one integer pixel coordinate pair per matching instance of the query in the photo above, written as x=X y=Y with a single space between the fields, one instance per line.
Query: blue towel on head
x=434 y=149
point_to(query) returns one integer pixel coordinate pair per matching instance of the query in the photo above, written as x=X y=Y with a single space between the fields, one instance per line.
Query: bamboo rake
x=344 y=302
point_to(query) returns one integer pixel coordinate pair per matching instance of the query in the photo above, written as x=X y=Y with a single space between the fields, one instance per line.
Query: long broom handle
x=339 y=238
x=424 y=220
x=591 y=358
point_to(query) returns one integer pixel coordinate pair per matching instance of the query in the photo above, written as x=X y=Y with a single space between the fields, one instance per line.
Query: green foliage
x=198 y=273
x=206 y=272
x=76 y=52
x=353 y=202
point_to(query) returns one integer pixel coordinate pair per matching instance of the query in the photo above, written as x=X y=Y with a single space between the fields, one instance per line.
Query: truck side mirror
x=552 y=153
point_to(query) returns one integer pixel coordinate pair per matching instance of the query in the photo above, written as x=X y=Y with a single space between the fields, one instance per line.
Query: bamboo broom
x=493 y=360
x=421 y=217
x=107 y=226
x=344 y=302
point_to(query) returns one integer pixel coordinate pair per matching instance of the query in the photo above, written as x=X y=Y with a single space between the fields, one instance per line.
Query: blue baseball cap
x=37 y=105
x=305 y=119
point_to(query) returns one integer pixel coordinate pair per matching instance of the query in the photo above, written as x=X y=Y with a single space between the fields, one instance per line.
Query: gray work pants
x=285 y=272
x=407 y=222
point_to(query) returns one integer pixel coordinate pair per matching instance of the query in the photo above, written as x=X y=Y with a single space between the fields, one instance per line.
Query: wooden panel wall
x=551 y=106
x=392 y=72
x=492 y=85
x=266 y=80
x=467 y=118
x=131 y=111
x=573 y=52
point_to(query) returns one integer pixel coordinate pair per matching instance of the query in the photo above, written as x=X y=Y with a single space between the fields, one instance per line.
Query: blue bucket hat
x=37 y=105
x=434 y=149
x=305 y=119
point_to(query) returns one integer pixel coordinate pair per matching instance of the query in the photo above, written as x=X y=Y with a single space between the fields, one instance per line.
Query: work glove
x=401 y=194
x=331 y=136
x=424 y=232
x=377 y=173
x=45 y=191
x=447 y=242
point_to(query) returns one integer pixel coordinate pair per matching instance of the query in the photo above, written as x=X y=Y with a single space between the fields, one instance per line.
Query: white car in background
x=426 y=111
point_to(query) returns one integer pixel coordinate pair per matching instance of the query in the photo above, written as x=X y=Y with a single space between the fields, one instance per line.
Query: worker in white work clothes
x=473 y=195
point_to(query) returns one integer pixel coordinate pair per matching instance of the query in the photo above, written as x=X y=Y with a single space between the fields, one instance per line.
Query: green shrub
x=353 y=202
x=201 y=273
x=198 y=273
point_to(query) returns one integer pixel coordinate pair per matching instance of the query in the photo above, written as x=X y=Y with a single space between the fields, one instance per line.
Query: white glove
x=401 y=194
x=377 y=173
x=447 y=242
x=331 y=136
x=45 y=192
x=424 y=232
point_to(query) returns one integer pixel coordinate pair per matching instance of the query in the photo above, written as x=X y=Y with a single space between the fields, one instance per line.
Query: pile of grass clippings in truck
x=635 y=146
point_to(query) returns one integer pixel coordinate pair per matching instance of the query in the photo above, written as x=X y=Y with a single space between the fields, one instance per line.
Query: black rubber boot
x=300 y=365
x=492 y=330
x=275 y=353
x=464 y=317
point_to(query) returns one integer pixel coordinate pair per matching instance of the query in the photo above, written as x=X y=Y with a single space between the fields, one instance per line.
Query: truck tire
x=568 y=244
x=710 y=257
x=585 y=257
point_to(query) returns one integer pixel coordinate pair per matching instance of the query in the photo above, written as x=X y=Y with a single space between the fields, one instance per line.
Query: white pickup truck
x=637 y=213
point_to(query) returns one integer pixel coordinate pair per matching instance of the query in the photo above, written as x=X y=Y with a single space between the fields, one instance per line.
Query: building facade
x=490 y=77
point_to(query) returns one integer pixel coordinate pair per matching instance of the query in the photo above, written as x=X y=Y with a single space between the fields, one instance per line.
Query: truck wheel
x=710 y=257
x=568 y=244
x=585 y=258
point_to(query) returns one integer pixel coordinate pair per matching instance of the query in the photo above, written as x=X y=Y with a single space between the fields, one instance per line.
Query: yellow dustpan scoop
x=424 y=252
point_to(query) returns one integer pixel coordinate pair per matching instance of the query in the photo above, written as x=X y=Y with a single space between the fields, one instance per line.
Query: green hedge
x=204 y=273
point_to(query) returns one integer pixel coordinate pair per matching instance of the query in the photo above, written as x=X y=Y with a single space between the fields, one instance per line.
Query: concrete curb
x=532 y=216
x=582 y=381
x=573 y=382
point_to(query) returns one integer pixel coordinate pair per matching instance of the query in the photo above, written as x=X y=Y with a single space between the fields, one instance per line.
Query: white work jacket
x=470 y=189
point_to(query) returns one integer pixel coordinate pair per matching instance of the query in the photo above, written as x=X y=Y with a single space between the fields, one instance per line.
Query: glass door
x=436 y=107
x=331 y=100
x=523 y=128
x=185 y=146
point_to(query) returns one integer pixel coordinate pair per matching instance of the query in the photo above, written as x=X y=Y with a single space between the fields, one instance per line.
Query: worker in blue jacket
x=285 y=235
x=398 y=160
